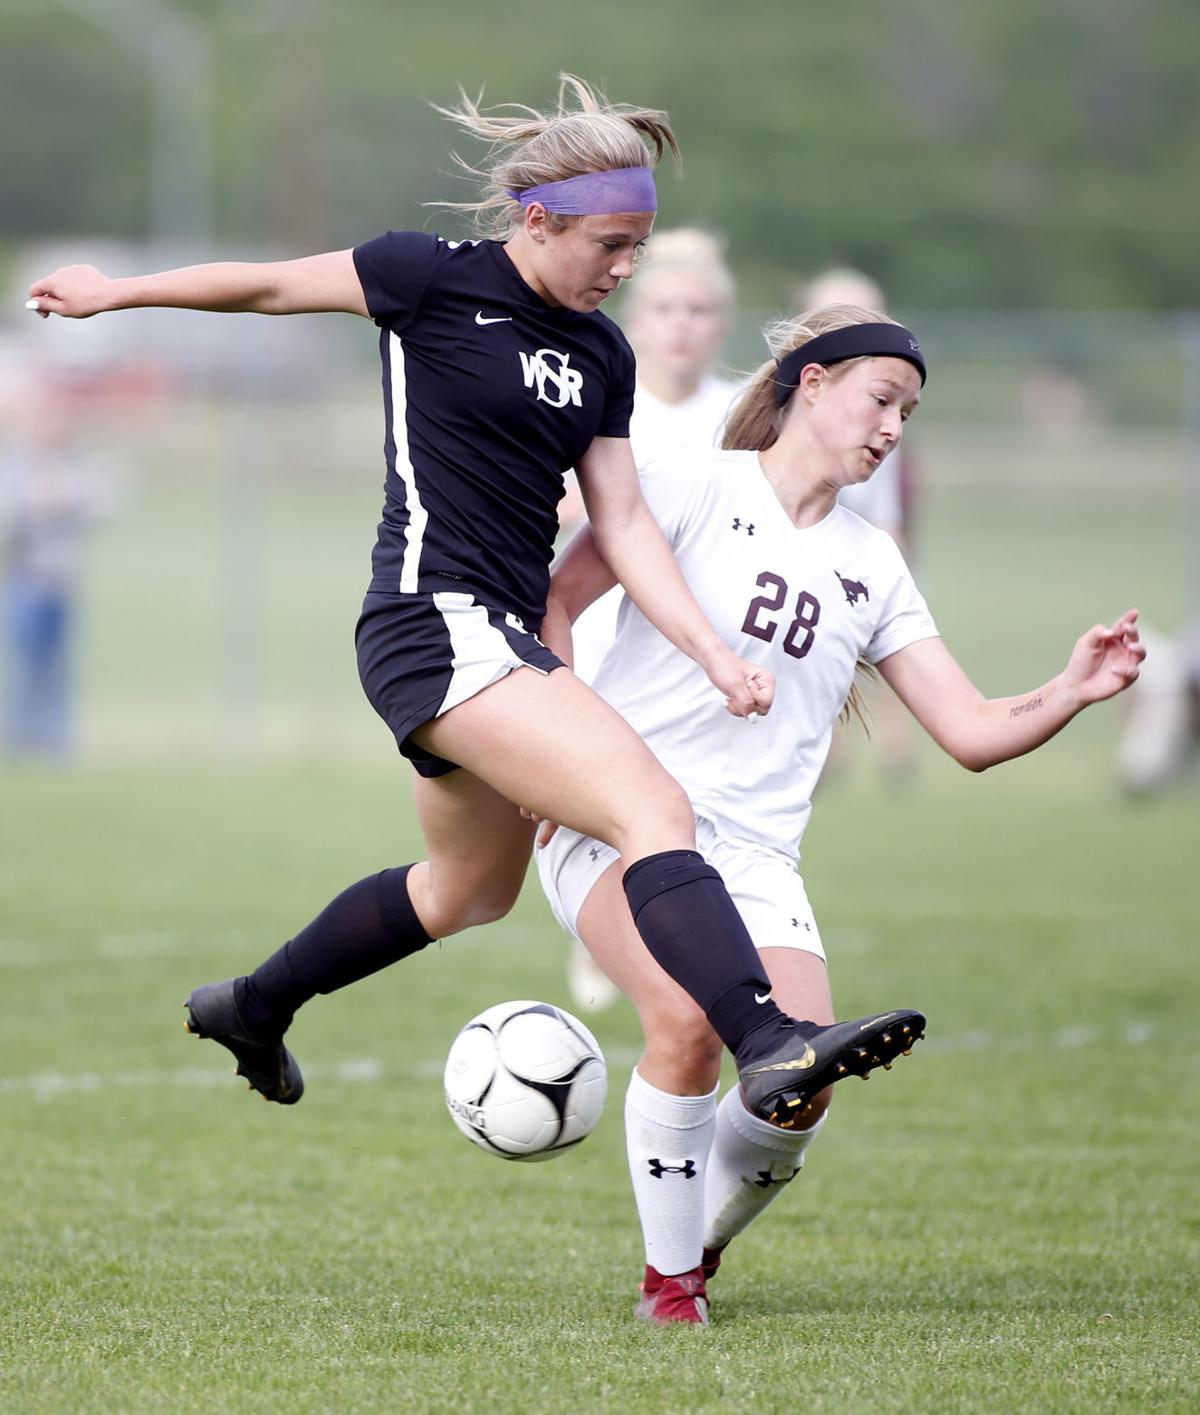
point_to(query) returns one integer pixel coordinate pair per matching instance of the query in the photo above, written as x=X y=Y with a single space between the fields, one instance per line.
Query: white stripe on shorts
x=418 y=517
x=481 y=653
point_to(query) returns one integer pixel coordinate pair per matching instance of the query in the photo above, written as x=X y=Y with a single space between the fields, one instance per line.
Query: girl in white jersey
x=797 y=582
x=500 y=372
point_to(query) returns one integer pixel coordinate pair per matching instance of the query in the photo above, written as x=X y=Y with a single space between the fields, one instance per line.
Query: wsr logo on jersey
x=557 y=383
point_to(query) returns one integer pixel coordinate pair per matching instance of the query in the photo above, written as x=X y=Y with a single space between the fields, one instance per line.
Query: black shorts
x=419 y=655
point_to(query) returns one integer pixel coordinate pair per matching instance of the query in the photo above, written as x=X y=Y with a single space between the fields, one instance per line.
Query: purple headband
x=595 y=193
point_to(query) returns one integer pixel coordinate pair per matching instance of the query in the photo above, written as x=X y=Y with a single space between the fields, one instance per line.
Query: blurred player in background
x=888 y=501
x=499 y=373
x=676 y=314
x=1160 y=740
x=52 y=492
x=810 y=589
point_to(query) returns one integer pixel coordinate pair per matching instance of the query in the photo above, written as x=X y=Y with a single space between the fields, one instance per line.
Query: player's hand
x=1106 y=660
x=72 y=291
x=748 y=689
x=546 y=828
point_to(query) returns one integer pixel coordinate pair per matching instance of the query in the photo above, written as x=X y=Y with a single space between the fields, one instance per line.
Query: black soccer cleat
x=265 y=1062
x=808 y=1058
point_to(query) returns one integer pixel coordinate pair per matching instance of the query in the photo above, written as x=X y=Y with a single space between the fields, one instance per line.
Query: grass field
x=1007 y=1222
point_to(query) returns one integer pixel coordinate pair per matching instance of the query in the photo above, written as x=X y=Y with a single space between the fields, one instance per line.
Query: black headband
x=854 y=342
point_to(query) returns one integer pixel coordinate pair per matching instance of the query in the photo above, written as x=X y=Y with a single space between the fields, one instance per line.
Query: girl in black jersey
x=500 y=373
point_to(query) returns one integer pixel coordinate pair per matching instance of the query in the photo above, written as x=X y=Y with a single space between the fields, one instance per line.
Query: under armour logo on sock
x=687 y=1169
x=766 y=1178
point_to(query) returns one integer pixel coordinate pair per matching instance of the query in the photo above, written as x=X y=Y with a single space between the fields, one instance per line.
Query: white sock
x=668 y=1139
x=751 y=1164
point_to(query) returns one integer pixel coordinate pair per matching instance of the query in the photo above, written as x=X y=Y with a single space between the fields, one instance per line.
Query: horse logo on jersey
x=548 y=366
x=855 y=589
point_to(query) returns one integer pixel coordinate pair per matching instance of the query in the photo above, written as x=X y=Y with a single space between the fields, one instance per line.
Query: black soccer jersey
x=490 y=395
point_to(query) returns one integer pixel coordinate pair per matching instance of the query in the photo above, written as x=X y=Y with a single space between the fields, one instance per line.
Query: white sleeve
x=905 y=618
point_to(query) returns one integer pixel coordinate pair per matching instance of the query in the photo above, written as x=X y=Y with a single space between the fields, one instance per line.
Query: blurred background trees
x=1036 y=154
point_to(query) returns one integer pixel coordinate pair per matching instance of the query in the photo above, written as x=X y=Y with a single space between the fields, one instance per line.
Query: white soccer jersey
x=807 y=604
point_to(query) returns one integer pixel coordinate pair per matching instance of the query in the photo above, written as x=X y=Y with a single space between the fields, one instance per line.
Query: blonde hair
x=754 y=423
x=529 y=148
x=688 y=249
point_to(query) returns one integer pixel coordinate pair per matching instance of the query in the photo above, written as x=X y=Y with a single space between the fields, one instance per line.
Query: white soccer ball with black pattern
x=525 y=1081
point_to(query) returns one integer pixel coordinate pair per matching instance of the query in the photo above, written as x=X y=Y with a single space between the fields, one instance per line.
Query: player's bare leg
x=479 y=850
x=477 y=845
x=551 y=745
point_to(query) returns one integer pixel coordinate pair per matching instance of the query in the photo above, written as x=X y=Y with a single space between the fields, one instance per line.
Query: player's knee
x=674 y=809
x=683 y=1046
x=660 y=818
x=470 y=909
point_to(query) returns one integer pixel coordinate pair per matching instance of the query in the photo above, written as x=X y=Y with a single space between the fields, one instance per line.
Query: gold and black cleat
x=264 y=1062
x=807 y=1058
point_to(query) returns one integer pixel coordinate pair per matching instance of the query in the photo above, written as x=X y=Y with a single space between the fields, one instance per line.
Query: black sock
x=367 y=927
x=689 y=923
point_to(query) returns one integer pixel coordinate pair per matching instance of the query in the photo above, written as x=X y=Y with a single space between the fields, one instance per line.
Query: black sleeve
x=618 y=406
x=394 y=270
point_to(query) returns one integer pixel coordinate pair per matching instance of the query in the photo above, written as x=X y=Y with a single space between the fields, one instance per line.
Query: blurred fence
x=1059 y=481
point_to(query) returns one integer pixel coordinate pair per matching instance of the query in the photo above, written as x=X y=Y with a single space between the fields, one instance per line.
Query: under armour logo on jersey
x=687 y=1169
x=740 y=525
x=549 y=367
x=855 y=589
x=766 y=1178
x=806 y=926
x=594 y=852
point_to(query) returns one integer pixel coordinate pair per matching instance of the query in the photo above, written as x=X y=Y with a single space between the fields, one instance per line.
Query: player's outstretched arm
x=979 y=732
x=312 y=285
x=631 y=542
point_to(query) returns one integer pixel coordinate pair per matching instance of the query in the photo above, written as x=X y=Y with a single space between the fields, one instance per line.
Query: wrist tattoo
x=1031 y=706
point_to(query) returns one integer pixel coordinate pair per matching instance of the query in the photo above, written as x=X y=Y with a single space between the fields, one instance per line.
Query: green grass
x=1006 y=1222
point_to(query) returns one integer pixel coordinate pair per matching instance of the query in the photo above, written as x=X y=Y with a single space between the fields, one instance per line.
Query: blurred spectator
x=1161 y=737
x=50 y=495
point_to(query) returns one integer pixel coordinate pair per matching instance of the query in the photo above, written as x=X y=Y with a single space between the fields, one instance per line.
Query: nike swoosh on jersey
x=498 y=319
x=766 y=997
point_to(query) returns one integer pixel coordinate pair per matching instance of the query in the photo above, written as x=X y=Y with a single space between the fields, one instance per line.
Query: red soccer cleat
x=673 y=1299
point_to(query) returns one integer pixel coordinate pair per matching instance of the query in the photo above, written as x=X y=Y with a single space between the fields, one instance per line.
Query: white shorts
x=765 y=887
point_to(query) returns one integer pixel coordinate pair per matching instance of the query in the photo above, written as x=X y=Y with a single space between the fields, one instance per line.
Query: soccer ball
x=525 y=1081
